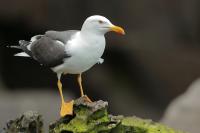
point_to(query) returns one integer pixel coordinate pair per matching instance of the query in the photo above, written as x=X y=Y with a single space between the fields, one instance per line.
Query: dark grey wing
x=48 y=52
x=63 y=36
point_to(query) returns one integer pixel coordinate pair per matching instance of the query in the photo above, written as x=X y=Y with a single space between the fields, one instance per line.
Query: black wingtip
x=23 y=43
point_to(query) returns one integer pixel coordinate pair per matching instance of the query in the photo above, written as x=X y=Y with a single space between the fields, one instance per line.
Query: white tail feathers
x=22 y=54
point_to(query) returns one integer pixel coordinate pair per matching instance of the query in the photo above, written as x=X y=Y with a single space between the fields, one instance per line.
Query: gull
x=70 y=52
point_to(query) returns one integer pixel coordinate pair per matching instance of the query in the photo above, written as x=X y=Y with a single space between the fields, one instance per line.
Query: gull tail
x=22 y=54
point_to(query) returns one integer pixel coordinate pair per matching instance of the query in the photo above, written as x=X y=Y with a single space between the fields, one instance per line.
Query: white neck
x=91 y=35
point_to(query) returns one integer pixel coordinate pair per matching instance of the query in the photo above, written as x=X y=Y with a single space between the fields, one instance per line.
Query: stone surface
x=29 y=122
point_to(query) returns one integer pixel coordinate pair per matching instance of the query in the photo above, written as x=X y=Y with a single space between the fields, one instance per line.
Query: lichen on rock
x=29 y=122
x=94 y=118
x=88 y=118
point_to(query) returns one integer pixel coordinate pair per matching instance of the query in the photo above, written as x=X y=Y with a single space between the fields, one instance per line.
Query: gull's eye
x=100 y=21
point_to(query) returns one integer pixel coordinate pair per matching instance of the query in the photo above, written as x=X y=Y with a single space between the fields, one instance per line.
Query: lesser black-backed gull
x=70 y=52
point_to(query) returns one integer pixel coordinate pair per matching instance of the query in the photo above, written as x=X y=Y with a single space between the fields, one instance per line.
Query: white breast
x=85 y=52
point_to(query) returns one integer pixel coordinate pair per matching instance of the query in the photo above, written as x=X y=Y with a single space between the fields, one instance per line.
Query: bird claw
x=100 y=61
x=67 y=108
x=87 y=99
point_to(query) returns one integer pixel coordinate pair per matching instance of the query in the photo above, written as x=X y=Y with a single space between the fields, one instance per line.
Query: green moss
x=137 y=125
x=104 y=125
x=82 y=111
x=99 y=116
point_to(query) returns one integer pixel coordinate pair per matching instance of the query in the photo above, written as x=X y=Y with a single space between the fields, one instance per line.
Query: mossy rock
x=29 y=122
x=94 y=118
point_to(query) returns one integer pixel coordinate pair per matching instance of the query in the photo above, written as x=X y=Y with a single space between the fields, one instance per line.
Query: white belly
x=79 y=64
x=83 y=56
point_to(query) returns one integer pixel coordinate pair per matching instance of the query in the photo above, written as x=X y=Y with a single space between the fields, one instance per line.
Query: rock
x=29 y=122
x=183 y=112
x=94 y=118
x=88 y=117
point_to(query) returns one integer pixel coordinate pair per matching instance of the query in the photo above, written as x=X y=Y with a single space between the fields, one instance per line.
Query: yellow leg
x=66 y=107
x=81 y=88
x=80 y=85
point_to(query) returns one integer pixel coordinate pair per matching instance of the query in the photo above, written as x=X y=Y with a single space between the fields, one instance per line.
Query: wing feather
x=48 y=52
x=48 y=49
x=63 y=36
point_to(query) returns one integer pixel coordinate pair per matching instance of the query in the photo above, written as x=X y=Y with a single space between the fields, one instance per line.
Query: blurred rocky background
x=183 y=112
x=142 y=73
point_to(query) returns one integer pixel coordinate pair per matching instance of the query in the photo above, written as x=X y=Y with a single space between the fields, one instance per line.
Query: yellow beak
x=117 y=29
